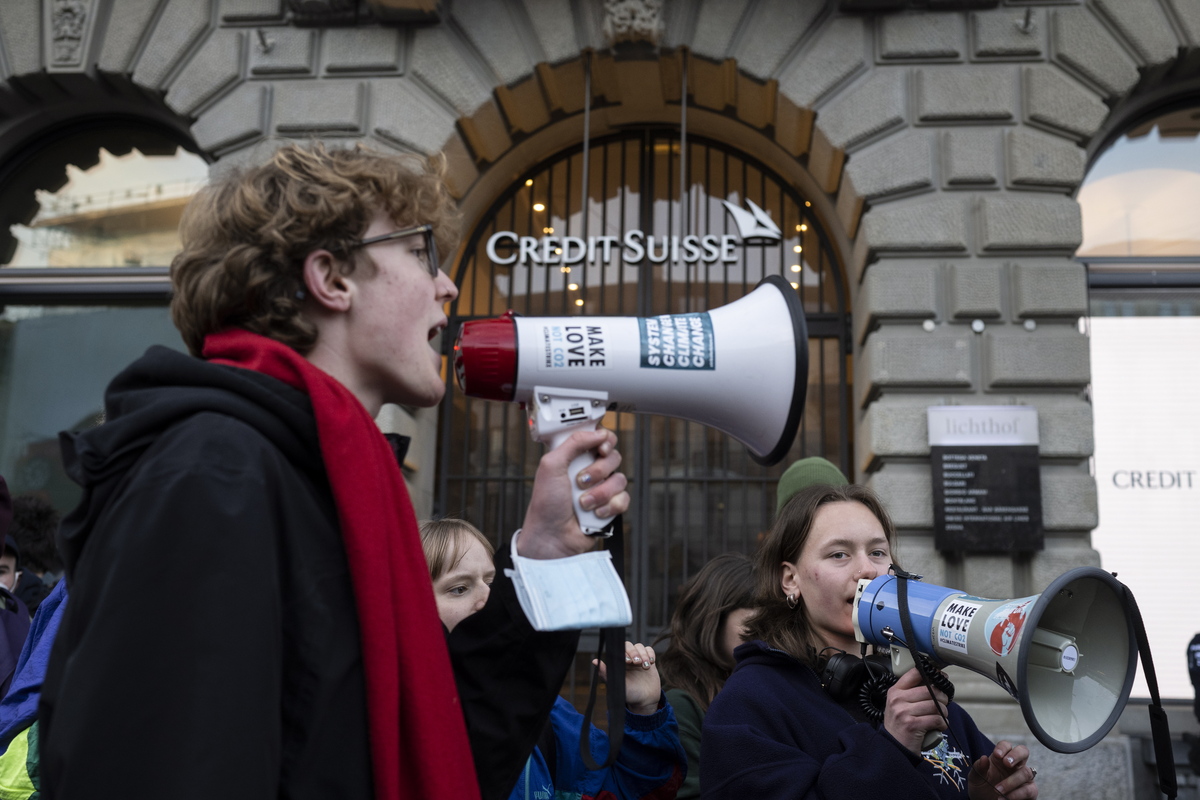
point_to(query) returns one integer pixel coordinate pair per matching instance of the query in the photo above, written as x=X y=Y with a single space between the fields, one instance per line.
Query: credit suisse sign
x=506 y=247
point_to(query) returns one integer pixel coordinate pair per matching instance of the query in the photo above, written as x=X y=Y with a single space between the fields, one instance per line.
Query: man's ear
x=325 y=283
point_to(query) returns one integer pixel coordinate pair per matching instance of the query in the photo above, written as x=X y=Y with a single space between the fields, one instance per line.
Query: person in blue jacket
x=20 y=764
x=775 y=732
x=651 y=764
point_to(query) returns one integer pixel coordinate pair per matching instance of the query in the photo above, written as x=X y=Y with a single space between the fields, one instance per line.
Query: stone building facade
x=940 y=143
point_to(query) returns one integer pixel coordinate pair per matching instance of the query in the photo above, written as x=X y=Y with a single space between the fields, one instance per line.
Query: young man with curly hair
x=312 y=664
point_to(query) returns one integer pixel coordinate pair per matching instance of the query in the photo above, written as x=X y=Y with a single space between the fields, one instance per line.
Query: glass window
x=122 y=212
x=55 y=363
x=1142 y=249
x=1140 y=198
x=1148 y=302
x=1141 y=236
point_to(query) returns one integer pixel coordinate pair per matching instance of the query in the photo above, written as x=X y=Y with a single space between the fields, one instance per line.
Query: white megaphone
x=741 y=368
x=1068 y=655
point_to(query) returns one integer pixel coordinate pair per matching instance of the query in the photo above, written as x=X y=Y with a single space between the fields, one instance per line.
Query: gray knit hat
x=804 y=473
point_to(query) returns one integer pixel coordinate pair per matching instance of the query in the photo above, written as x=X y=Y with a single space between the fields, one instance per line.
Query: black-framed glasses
x=428 y=256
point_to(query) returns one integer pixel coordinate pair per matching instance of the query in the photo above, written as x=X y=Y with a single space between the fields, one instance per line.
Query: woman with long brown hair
x=778 y=730
x=705 y=628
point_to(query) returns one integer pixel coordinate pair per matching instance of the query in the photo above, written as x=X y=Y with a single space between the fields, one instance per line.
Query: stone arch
x=943 y=144
x=70 y=87
x=240 y=76
x=244 y=76
x=48 y=122
x=544 y=113
x=1140 y=61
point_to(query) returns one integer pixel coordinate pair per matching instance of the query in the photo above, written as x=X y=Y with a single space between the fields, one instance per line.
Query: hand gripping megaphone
x=741 y=368
x=1067 y=655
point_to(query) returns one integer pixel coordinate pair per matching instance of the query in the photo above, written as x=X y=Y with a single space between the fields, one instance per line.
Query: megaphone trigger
x=555 y=414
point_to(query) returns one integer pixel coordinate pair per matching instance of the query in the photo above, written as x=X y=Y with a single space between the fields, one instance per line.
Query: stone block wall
x=957 y=185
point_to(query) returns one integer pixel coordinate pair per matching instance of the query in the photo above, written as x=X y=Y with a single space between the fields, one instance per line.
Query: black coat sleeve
x=508 y=675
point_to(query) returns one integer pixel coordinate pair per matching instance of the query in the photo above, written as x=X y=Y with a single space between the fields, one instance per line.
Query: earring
x=791 y=601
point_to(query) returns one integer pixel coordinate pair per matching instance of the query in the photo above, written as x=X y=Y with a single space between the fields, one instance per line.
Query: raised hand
x=642 y=686
x=910 y=712
x=551 y=529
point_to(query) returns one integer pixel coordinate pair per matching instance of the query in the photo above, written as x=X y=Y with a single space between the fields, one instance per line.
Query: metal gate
x=696 y=492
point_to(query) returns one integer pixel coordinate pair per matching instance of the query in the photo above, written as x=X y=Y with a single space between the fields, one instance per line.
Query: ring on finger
x=1034 y=771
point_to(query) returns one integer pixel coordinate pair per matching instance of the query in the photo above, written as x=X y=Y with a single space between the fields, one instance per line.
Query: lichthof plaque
x=987 y=490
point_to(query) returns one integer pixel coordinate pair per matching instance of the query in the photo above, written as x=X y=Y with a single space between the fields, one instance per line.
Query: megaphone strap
x=1159 y=732
x=612 y=641
x=927 y=671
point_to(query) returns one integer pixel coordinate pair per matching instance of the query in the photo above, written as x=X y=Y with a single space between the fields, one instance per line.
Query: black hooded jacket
x=211 y=647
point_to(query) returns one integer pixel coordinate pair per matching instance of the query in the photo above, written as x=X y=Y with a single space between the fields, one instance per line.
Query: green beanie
x=804 y=473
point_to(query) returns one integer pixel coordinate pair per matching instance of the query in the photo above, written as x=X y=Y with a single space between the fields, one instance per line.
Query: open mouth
x=435 y=330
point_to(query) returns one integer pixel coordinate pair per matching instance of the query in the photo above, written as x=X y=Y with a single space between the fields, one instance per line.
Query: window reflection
x=122 y=212
x=1145 y=303
x=56 y=362
x=1141 y=236
x=1141 y=196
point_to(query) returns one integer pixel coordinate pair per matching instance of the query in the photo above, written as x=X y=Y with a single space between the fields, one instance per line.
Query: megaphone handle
x=591 y=524
x=902 y=662
x=554 y=414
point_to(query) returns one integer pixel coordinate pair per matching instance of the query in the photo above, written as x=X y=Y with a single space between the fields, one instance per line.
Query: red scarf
x=419 y=746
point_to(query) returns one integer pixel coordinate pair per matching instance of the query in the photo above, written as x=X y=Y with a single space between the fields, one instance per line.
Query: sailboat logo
x=753 y=224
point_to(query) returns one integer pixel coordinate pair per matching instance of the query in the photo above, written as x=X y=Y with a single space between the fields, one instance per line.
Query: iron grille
x=696 y=492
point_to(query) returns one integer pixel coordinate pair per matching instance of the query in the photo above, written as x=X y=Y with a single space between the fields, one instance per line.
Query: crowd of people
x=256 y=612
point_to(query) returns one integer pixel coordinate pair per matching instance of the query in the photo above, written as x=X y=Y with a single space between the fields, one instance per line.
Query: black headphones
x=847 y=677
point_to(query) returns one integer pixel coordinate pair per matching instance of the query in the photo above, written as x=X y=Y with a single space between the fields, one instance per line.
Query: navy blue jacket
x=773 y=732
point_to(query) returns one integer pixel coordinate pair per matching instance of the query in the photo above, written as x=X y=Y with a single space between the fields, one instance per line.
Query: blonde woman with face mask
x=651 y=762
